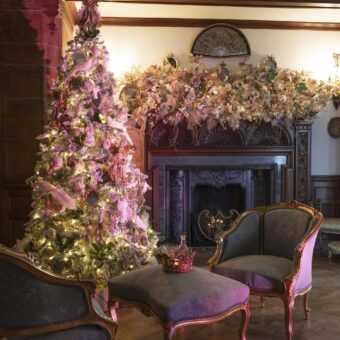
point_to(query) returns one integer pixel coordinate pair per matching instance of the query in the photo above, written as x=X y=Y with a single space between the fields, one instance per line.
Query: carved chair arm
x=300 y=275
x=219 y=239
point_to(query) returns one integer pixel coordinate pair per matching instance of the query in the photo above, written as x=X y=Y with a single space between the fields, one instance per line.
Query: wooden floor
x=265 y=323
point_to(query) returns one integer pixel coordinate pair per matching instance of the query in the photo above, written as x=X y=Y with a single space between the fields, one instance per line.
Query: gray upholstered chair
x=35 y=304
x=271 y=250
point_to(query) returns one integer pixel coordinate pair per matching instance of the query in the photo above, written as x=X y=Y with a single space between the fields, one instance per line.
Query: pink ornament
x=141 y=223
x=84 y=67
x=88 y=86
x=95 y=91
x=122 y=207
x=64 y=199
x=119 y=126
x=89 y=139
x=58 y=194
x=56 y=163
x=107 y=143
x=78 y=184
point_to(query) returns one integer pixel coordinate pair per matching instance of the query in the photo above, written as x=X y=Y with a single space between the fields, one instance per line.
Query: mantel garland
x=196 y=96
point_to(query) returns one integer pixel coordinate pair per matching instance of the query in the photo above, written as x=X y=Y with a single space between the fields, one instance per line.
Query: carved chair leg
x=244 y=322
x=262 y=301
x=289 y=306
x=112 y=306
x=168 y=332
x=329 y=254
x=306 y=307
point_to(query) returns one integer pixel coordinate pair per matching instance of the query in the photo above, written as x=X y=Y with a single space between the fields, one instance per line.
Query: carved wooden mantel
x=174 y=157
x=302 y=142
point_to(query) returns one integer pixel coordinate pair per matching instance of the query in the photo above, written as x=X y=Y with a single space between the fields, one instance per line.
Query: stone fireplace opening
x=212 y=209
x=224 y=191
x=223 y=198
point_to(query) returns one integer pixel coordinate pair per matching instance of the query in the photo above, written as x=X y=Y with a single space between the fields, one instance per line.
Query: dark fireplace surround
x=220 y=169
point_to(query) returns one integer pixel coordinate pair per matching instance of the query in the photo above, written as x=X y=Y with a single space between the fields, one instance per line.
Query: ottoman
x=333 y=248
x=181 y=299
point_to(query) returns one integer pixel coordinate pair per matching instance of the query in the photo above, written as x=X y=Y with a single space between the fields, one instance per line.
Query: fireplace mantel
x=281 y=151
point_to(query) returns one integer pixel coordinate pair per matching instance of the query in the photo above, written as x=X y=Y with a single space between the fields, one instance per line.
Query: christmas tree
x=88 y=218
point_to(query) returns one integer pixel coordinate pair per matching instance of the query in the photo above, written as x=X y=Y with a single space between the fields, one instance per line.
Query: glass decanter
x=182 y=249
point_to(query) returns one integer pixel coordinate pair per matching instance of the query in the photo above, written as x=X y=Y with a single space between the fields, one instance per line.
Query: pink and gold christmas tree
x=88 y=218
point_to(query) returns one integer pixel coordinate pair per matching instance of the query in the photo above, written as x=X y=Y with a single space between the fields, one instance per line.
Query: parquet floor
x=267 y=323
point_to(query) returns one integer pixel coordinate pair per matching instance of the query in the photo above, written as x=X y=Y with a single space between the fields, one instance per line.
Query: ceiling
x=246 y=3
x=128 y=9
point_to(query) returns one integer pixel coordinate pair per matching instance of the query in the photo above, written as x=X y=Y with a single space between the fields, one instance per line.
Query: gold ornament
x=47 y=252
x=40 y=242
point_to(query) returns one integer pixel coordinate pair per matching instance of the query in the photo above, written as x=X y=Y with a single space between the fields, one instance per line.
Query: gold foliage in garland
x=196 y=95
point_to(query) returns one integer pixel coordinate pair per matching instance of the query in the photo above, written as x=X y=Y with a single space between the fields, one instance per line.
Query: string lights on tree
x=89 y=219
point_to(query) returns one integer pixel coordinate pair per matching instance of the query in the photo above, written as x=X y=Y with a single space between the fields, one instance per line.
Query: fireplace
x=224 y=171
x=210 y=208
x=212 y=198
x=189 y=191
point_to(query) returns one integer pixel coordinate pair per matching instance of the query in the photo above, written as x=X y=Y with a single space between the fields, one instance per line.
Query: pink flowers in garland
x=195 y=95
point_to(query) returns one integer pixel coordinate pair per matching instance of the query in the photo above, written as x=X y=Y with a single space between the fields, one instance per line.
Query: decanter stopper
x=182 y=249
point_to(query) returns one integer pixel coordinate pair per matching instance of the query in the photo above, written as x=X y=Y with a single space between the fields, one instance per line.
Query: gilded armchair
x=271 y=250
x=35 y=304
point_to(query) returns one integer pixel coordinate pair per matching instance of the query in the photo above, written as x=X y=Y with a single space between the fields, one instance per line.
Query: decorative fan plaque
x=220 y=41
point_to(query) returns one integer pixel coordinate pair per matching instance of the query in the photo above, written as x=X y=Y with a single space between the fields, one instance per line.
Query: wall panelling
x=30 y=49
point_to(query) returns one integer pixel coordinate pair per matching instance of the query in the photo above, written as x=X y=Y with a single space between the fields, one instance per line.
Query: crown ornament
x=176 y=259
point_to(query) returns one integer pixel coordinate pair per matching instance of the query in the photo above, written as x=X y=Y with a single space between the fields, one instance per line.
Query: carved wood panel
x=176 y=213
x=137 y=137
x=30 y=49
x=15 y=207
x=303 y=132
x=249 y=134
x=327 y=190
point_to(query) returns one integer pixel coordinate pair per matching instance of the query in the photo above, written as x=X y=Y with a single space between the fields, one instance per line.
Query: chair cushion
x=178 y=297
x=260 y=272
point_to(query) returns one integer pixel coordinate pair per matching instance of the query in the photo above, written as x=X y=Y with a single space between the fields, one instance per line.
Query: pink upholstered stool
x=181 y=299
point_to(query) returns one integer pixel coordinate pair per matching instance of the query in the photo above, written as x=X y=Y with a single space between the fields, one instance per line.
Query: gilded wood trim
x=88 y=286
x=171 y=327
x=187 y=22
x=219 y=238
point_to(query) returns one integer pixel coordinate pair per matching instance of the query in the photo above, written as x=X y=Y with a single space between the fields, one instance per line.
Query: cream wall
x=142 y=46
x=308 y=50
x=296 y=49
x=67 y=24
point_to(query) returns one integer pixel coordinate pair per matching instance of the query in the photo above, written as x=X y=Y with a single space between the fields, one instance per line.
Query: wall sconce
x=336 y=58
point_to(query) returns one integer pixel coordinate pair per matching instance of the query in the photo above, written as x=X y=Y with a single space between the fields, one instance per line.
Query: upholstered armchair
x=271 y=250
x=35 y=304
